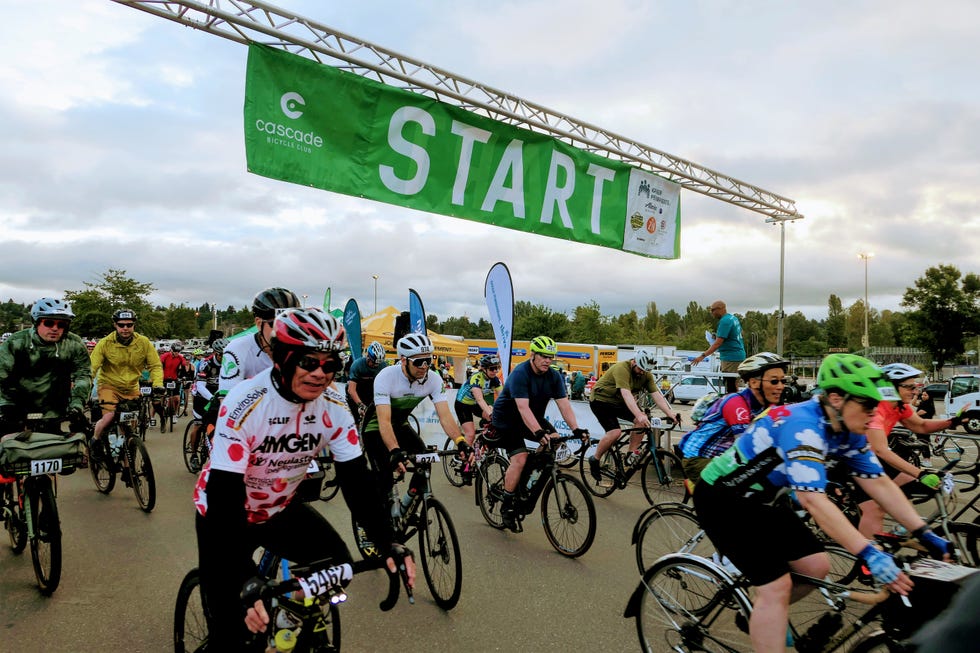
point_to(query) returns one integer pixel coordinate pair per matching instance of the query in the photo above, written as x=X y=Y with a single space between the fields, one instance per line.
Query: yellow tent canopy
x=381 y=327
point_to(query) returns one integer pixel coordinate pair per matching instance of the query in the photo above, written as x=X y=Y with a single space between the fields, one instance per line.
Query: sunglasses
x=125 y=325
x=311 y=364
x=420 y=362
x=55 y=324
x=774 y=381
x=493 y=368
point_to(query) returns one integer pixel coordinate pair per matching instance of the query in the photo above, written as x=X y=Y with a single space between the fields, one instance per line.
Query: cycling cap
x=309 y=328
x=376 y=351
x=644 y=360
x=124 y=314
x=51 y=308
x=544 y=345
x=900 y=371
x=856 y=376
x=267 y=302
x=414 y=344
x=176 y=348
x=218 y=346
x=489 y=360
x=757 y=364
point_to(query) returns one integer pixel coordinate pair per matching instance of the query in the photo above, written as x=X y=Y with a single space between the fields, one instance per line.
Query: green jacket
x=43 y=377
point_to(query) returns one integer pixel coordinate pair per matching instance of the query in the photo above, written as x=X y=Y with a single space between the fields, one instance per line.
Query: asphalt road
x=122 y=569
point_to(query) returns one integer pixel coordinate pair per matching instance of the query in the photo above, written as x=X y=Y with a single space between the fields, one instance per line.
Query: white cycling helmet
x=414 y=344
x=900 y=372
x=757 y=364
x=51 y=307
x=644 y=360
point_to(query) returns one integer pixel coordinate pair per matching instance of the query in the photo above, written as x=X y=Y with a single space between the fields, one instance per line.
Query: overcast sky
x=123 y=147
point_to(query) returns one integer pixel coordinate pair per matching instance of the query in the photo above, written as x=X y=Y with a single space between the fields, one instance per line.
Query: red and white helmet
x=309 y=328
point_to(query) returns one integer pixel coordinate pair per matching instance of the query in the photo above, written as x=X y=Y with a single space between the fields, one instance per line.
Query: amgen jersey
x=270 y=441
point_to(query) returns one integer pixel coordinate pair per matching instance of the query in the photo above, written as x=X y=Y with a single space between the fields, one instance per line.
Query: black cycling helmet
x=124 y=314
x=267 y=302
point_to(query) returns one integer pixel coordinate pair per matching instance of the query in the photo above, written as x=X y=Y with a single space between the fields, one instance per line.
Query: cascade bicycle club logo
x=282 y=134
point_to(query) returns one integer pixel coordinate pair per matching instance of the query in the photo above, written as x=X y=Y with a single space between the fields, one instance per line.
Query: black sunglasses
x=125 y=325
x=420 y=362
x=774 y=381
x=493 y=368
x=312 y=363
x=52 y=324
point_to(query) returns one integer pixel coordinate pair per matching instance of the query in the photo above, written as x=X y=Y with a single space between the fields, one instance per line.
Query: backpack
x=703 y=405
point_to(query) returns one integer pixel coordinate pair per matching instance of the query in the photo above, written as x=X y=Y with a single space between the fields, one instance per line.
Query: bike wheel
x=143 y=422
x=568 y=515
x=490 y=487
x=330 y=486
x=439 y=548
x=879 y=642
x=190 y=616
x=103 y=470
x=606 y=485
x=663 y=479
x=845 y=569
x=688 y=605
x=452 y=465
x=964 y=452
x=189 y=449
x=15 y=525
x=669 y=529
x=164 y=414
x=141 y=474
x=46 y=543
x=966 y=537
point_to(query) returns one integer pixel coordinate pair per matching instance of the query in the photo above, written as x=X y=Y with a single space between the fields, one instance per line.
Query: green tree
x=181 y=322
x=14 y=316
x=532 y=320
x=94 y=305
x=589 y=325
x=835 y=322
x=944 y=304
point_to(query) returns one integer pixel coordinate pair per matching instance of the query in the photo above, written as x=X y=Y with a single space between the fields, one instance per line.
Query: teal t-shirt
x=732 y=349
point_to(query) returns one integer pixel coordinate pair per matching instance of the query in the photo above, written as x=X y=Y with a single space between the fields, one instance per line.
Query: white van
x=964 y=390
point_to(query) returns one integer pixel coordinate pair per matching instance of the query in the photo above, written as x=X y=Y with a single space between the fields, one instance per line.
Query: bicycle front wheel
x=964 y=453
x=879 y=642
x=141 y=474
x=46 y=543
x=439 y=546
x=568 y=515
x=452 y=465
x=189 y=448
x=103 y=470
x=663 y=479
x=671 y=528
x=490 y=487
x=190 y=616
x=606 y=485
x=686 y=604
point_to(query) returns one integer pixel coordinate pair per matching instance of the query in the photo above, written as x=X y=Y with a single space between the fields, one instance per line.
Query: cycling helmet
x=376 y=351
x=218 y=346
x=198 y=352
x=490 y=360
x=856 y=376
x=176 y=347
x=544 y=345
x=757 y=364
x=900 y=371
x=413 y=344
x=308 y=328
x=51 y=308
x=644 y=360
x=267 y=302
x=124 y=314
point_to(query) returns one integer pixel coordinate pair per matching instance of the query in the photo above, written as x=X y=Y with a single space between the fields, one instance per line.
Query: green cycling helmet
x=544 y=345
x=856 y=376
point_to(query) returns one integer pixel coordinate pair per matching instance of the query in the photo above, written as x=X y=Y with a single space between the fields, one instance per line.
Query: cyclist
x=205 y=390
x=612 y=399
x=728 y=417
x=245 y=357
x=887 y=415
x=44 y=369
x=518 y=414
x=360 y=381
x=398 y=389
x=274 y=425
x=117 y=362
x=175 y=369
x=785 y=450
x=475 y=397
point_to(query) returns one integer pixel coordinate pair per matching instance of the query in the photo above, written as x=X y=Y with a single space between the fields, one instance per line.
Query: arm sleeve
x=226 y=503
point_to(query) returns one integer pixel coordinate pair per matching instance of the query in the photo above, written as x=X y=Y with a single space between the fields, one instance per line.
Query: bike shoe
x=466 y=477
x=509 y=517
x=595 y=468
x=95 y=450
x=195 y=463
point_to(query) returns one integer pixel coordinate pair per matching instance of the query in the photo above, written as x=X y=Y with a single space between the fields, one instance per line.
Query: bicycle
x=144 y=421
x=442 y=565
x=308 y=622
x=124 y=453
x=185 y=393
x=28 y=491
x=166 y=411
x=203 y=448
x=963 y=451
x=662 y=474
x=567 y=510
x=458 y=471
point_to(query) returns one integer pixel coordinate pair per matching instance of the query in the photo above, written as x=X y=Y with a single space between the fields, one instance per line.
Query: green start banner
x=315 y=125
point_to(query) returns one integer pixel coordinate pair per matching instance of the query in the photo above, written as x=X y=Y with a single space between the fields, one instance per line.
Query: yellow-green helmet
x=856 y=376
x=544 y=345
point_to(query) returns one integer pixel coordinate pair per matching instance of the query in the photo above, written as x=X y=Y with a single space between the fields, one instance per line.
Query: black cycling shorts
x=512 y=440
x=609 y=414
x=467 y=412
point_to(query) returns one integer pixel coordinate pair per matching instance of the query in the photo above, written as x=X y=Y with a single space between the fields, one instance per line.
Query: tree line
x=942 y=317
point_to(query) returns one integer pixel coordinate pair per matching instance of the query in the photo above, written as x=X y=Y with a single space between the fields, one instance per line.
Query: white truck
x=963 y=390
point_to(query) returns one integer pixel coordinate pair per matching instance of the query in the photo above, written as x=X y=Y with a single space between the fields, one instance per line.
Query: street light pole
x=375 y=277
x=866 y=343
x=304 y=301
x=782 y=268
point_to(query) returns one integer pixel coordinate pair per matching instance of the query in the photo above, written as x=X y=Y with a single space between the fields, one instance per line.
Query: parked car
x=937 y=391
x=689 y=389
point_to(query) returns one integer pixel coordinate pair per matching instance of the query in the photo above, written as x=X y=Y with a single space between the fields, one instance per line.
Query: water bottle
x=396 y=506
x=115 y=444
x=407 y=499
x=285 y=641
x=533 y=478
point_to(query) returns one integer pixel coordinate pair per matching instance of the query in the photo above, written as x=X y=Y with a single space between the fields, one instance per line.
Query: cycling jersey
x=119 y=366
x=270 y=441
x=887 y=415
x=725 y=420
x=363 y=375
x=43 y=377
x=620 y=376
x=172 y=365
x=207 y=379
x=243 y=358
x=787 y=448
x=393 y=388
x=479 y=382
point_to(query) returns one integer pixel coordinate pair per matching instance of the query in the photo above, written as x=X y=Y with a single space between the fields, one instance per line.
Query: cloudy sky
x=123 y=147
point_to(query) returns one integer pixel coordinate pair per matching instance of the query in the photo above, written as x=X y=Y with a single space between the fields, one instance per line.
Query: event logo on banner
x=498 y=290
x=352 y=326
x=315 y=125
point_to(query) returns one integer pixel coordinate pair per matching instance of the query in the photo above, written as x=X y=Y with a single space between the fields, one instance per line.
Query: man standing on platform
x=728 y=343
